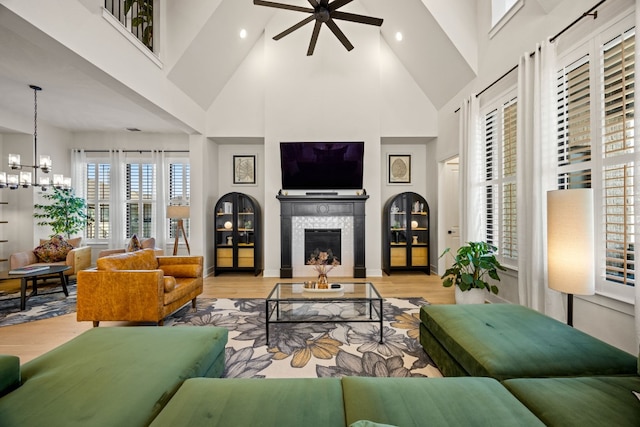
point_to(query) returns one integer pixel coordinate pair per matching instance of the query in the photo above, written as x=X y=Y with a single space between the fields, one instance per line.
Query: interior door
x=452 y=207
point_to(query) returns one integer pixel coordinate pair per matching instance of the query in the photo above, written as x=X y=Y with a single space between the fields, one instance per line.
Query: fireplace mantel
x=322 y=205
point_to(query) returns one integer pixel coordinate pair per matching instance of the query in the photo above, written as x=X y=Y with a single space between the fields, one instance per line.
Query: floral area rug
x=50 y=302
x=307 y=350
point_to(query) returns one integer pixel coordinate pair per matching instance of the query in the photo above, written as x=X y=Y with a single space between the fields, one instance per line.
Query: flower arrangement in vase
x=323 y=262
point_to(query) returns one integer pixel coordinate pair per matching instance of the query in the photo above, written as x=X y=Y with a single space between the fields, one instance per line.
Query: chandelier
x=23 y=177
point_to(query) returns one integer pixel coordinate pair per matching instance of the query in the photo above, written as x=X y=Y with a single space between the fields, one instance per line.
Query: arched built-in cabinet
x=238 y=234
x=405 y=233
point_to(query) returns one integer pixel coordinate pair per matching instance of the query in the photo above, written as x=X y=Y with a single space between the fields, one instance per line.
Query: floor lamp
x=570 y=244
x=179 y=213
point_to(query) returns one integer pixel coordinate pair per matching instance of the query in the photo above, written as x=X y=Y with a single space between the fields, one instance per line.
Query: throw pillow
x=134 y=244
x=54 y=250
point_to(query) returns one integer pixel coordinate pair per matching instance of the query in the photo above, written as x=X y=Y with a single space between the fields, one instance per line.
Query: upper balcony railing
x=136 y=16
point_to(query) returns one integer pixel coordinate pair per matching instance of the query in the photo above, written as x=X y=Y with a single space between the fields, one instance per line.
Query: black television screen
x=321 y=165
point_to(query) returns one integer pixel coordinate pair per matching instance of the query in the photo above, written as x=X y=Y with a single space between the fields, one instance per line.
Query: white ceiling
x=79 y=97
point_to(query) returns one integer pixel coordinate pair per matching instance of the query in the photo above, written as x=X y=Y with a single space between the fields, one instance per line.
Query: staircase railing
x=136 y=16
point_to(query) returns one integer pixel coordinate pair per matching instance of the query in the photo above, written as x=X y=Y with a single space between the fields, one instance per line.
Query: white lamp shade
x=570 y=241
x=177 y=211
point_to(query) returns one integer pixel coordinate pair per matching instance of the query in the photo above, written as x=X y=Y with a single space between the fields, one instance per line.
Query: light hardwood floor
x=29 y=340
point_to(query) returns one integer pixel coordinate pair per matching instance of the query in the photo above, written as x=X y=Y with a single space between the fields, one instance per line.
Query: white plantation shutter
x=491 y=151
x=509 y=242
x=98 y=188
x=500 y=137
x=140 y=199
x=618 y=148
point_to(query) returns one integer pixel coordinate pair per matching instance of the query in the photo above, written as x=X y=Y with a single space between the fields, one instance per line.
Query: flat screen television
x=321 y=165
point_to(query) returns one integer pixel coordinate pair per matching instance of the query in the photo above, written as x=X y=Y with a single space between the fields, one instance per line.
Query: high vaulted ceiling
x=202 y=51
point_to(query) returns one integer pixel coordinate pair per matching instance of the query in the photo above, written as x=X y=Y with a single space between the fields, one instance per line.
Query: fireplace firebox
x=323 y=239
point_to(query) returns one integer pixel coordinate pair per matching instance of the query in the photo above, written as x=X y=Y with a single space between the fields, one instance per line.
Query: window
x=500 y=137
x=596 y=149
x=98 y=187
x=501 y=12
x=140 y=199
x=127 y=192
x=179 y=190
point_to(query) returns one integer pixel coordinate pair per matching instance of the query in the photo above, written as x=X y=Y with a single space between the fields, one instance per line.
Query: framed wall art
x=399 y=169
x=244 y=169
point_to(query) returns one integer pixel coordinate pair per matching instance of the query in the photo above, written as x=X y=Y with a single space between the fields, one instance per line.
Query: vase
x=472 y=296
x=323 y=282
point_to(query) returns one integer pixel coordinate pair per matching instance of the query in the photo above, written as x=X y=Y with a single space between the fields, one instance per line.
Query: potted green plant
x=472 y=264
x=66 y=214
x=142 y=19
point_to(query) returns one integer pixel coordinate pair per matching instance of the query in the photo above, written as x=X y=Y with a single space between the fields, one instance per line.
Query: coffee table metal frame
x=25 y=278
x=293 y=293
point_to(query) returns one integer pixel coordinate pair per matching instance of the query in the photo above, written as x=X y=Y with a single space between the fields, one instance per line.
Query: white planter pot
x=472 y=296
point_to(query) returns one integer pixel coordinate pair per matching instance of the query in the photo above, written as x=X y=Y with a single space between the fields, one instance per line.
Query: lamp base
x=179 y=228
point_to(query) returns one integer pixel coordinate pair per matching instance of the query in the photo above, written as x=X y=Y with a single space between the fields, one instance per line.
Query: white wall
x=280 y=94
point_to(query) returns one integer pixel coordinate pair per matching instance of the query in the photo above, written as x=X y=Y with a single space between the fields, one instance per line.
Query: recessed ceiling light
x=399 y=36
x=243 y=33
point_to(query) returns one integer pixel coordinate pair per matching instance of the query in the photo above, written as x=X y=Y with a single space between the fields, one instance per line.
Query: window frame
x=592 y=45
x=495 y=219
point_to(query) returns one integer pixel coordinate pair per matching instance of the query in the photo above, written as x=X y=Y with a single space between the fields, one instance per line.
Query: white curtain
x=637 y=193
x=471 y=204
x=78 y=172
x=117 y=205
x=160 y=226
x=537 y=143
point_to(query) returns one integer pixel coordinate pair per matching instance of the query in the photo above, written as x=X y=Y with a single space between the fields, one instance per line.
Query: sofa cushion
x=183 y=288
x=169 y=283
x=182 y=270
x=148 y=243
x=75 y=241
x=237 y=402
x=580 y=402
x=433 y=402
x=9 y=373
x=505 y=341
x=134 y=244
x=144 y=259
x=113 y=376
x=53 y=250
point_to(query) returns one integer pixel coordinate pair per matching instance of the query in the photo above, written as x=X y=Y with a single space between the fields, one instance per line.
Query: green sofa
x=116 y=376
x=335 y=402
x=504 y=341
x=562 y=375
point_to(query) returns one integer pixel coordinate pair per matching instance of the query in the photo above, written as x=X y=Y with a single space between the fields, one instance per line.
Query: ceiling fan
x=323 y=12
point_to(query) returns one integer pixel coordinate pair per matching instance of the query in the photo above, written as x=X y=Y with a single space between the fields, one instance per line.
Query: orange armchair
x=138 y=286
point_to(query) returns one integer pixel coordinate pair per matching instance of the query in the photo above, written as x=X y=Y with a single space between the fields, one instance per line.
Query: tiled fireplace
x=322 y=212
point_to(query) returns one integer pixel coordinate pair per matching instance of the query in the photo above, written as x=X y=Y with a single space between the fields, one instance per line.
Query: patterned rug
x=50 y=302
x=315 y=349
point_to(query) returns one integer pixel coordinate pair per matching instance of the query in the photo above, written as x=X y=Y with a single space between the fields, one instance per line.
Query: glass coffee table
x=293 y=303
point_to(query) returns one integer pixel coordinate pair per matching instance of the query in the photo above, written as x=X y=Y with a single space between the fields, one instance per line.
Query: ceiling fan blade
x=339 y=34
x=313 y=3
x=283 y=6
x=361 y=19
x=337 y=4
x=293 y=28
x=314 y=38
